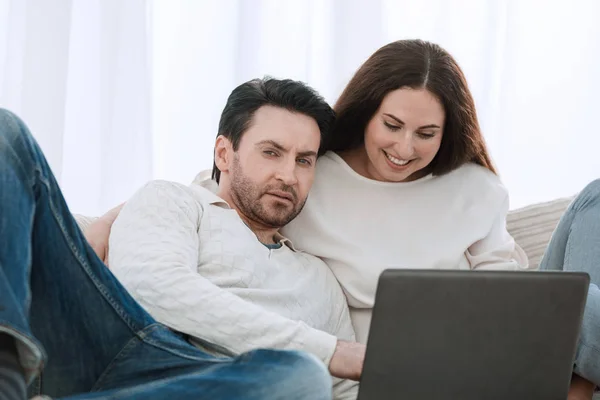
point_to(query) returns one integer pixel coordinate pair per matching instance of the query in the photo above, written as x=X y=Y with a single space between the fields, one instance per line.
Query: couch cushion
x=532 y=226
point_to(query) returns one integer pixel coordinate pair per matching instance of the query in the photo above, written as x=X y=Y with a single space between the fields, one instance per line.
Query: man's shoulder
x=164 y=186
x=162 y=196
x=204 y=180
x=176 y=190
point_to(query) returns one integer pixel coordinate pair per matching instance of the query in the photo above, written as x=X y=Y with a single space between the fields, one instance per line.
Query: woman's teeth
x=397 y=161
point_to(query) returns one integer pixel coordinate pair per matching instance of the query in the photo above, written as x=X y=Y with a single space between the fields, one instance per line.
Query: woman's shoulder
x=476 y=171
x=332 y=171
x=480 y=181
x=330 y=161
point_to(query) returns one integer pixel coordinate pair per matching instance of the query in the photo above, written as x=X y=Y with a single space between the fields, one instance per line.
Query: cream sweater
x=360 y=227
x=193 y=264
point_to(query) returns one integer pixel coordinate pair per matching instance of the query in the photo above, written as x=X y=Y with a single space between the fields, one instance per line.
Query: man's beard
x=246 y=196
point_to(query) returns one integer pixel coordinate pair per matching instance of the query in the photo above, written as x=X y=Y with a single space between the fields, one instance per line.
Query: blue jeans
x=575 y=246
x=72 y=318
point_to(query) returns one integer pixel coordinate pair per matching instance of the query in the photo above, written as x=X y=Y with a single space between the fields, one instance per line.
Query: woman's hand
x=97 y=232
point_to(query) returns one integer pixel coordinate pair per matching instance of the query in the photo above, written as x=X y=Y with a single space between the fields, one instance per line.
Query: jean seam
x=567 y=259
x=121 y=354
x=583 y=343
x=142 y=336
x=81 y=260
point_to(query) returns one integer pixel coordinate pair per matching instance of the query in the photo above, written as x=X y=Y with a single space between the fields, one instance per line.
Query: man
x=61 y=310
x=214 y=267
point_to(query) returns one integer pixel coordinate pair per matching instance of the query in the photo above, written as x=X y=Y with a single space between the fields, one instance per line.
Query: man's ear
x=223 y=153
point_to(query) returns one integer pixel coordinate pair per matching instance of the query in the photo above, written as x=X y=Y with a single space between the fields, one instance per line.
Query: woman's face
x=403 y=136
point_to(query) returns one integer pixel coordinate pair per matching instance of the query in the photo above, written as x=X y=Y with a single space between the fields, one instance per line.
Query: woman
x=406 y=181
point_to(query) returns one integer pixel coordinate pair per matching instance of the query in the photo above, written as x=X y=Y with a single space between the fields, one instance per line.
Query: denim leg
x=256 y=375
x=575 y=246
x=57 y=298
x=55 y=293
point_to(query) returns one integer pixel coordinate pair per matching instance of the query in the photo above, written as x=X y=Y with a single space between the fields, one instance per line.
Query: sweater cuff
x=321 y=344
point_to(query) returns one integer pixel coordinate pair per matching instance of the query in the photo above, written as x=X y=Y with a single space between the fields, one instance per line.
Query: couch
x=532 y=226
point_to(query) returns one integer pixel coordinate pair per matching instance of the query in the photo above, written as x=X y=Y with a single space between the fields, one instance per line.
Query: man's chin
x=278 y=219
x=278 y=213
x=278 y=222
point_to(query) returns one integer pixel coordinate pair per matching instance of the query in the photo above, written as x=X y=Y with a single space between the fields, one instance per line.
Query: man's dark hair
x=291 y=95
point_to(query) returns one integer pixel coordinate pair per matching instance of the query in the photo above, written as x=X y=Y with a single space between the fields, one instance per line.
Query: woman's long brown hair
x=412 y=64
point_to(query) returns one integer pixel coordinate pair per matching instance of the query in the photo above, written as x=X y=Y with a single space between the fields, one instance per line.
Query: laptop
x=473 y=335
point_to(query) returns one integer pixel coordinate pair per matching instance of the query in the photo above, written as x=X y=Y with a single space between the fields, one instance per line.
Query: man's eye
x=270 y=153
x=304 y=161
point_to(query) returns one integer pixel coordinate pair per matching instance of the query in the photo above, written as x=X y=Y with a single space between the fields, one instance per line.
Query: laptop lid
x=439 y=334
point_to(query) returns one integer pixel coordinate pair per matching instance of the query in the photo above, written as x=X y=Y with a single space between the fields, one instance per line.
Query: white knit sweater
x=193 y=264
x=360 y=227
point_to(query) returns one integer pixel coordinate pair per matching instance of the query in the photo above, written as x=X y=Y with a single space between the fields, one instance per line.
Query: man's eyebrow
x=279 y=146
x=273 y=143
x=308 y=153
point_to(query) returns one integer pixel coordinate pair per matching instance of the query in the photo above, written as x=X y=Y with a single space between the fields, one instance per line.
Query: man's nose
x=286 y=172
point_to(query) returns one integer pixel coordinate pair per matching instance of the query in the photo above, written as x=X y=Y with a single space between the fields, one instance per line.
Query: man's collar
x=213 y=199
x=279 y=238
x=204 y=180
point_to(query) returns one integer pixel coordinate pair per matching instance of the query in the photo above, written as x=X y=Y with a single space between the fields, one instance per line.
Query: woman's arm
x=497 y=250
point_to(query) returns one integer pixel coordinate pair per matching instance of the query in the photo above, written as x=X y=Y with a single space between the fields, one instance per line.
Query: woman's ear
x=223 y=153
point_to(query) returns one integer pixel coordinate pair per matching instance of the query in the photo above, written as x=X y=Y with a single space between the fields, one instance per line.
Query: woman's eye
x=426 y=135
x=391 y=127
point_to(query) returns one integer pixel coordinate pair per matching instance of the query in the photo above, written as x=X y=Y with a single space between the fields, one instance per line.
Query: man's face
x=274 y=167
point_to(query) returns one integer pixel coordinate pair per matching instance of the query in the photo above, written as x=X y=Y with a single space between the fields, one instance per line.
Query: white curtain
x=118 y=92
x=78 y=73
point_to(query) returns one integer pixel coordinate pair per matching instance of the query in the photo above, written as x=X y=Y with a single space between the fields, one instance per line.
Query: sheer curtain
x=78 y=73
x=531 y=65
x=119 y=92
